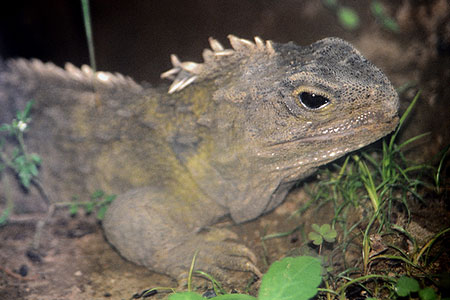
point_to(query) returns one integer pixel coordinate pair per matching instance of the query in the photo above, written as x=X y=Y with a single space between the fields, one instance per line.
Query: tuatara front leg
x=162 y=231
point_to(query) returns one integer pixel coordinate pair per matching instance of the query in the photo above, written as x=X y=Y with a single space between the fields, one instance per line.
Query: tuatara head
x=280 y=111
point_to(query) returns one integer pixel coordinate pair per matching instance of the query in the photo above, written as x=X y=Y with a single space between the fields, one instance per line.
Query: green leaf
x=25 y=178
x=35 y=158
x=20 y=161
x=324 y=232
x=33 y=170
x=6 y=127
x=348 y=18
x=109 y=199
x=234 y=297
x=291 y=278
x=406 y=285
x=101 y=212
x=330 y=236
x=427 y=294
x=315 y=227
x=5 y=214
x=325 y=228
x=185 y=296
x=15 y=152
x=391 y=24
x=89 y=207
x=97 y=194
x=315 y=237
x=23 y=115
x=26 y=111
x=73 y=209
x=378 y=11
x=377 y=8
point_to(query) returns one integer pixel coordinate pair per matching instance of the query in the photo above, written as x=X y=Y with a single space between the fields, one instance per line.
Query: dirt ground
x=76 y=262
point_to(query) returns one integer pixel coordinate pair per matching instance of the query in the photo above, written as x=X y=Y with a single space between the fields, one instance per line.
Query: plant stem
x=40 y=225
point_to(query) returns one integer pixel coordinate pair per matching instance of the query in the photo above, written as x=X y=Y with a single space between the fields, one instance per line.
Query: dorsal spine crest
x=184 y=73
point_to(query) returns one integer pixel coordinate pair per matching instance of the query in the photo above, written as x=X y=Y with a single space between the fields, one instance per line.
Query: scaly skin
x=230 y=138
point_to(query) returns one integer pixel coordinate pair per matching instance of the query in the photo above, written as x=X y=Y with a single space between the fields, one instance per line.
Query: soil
x=75 y=261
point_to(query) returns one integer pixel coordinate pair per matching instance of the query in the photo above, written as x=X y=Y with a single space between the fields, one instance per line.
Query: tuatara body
x=230 y=136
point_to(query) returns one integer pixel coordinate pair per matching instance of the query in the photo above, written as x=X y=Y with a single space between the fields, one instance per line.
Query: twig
x=45 y=196
x=31 y=218
x=17 y=276
x=40 y=225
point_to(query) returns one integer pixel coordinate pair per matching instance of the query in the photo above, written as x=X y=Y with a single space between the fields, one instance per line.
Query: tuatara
x=230 y=136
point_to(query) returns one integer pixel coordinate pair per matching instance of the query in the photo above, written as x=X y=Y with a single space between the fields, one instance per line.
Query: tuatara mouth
x=370 y=125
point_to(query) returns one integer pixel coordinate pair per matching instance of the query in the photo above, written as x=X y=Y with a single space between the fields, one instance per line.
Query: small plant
x=99 y=202
x=24 y=164
x=407 y=286
x=321 y=234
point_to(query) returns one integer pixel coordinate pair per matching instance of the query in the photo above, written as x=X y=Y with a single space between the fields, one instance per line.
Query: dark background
x=136 y=38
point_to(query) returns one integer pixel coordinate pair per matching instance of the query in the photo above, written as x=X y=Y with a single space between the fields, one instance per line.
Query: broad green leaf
x=291 y=279
x=186 y=296
x=234 y=297
x=406 y=285
x=427 y=294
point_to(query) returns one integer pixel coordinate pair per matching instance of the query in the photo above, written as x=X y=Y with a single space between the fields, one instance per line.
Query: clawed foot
x=215 y=253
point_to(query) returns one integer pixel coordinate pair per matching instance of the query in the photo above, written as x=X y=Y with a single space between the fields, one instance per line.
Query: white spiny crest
x=184 y=73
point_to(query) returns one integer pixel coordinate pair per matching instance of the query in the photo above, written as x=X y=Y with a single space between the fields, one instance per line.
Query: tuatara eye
x=312 y=100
